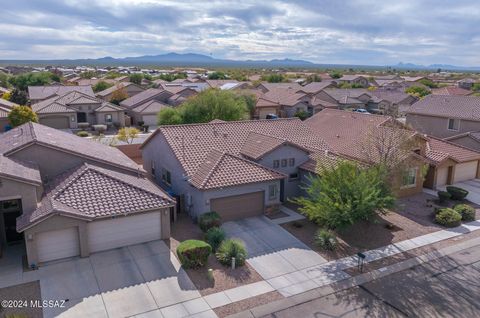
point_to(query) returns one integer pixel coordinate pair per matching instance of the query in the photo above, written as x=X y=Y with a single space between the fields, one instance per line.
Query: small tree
x=335 y=74
x=100 y=86
x=20 y=115
x=128 y=134
x=19 y=97
x=301 y=114
x=345 y=194
x=136 y=78
x=417 y=91
x=274 y=78
x=119 y=95
x=169 y=116
x=313 y=78
x=217 y=75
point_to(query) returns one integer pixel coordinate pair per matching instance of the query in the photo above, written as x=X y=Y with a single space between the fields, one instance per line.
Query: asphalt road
x=447 y=287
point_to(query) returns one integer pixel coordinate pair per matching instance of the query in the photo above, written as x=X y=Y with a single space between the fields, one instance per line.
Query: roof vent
x=338 y=136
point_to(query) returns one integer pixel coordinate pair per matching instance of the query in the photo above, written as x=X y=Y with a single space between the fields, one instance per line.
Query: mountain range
x=200 y=60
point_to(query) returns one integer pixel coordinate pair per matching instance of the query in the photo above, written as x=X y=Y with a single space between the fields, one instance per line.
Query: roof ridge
x=453 y=144
x=253 y=163
x=209 y=174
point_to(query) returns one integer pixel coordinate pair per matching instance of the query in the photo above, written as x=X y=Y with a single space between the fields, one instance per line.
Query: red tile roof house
x=65 y=111
x=68 y=196
x=238 y=169
x=454 y=117
x=347 y=134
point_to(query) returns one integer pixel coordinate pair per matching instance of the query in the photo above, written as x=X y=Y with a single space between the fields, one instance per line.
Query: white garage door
x=442 y=176
x=123 y=231
x=150 y=120
x=465 y=171
x=58 y=244
x=59 y=122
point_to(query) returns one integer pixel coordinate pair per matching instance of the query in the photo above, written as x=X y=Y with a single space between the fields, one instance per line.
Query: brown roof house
x=447 y=116
x=67 y=196
x=238 y=169
x=130 y=88
x=39 y=93
x=67 y=110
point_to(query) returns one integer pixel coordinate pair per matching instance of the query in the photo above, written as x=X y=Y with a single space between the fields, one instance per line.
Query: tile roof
x=272 y=86
x=316 y=87
x=392 y=95
x=258 y=145
x=143 y=97
x=116 y=87
x=21 y=170
x=7 y=103
x=348 y=133
x=218 y=83
x=284 y=96
x=263 y=102
x=109 y=107
x=221 y=169
x=91 y=192
x=348 y=77
x=463 y=107
x=451 y=90
x=33 y=133
x=191 y=143
x=43 y=92
x=439 y=150
x=151 y=107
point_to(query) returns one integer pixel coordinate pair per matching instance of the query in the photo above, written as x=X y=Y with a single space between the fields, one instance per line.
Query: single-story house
x=130 y=88
x=39 y=93
x=67 y=110
x=67 y=196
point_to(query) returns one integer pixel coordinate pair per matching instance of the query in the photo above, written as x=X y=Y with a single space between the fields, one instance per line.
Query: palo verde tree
x=20 y=115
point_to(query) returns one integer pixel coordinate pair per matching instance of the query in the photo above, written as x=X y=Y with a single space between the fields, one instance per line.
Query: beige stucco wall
x=438 y=126
x=59 y=222
x=117 y=117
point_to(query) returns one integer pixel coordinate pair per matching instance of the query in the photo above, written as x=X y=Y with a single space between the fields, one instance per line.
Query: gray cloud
x=326 y=31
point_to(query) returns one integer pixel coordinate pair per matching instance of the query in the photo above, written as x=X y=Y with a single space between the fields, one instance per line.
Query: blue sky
x=323 y=31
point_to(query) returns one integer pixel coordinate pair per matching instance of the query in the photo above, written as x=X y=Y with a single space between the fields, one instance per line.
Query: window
x=284 y=162
x=108 y=118
x=409 y=178
x=272 y=192
x=453 y=124
x=153 y=169
x=276 y=163
x=293 y=176
x=291 y=162
x=166 y=177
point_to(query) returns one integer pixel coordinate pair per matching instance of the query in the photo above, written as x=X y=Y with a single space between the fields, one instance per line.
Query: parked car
x=361 y=110
x=271 y=116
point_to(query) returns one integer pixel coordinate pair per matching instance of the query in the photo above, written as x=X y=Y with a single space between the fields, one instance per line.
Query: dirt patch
x=224 y=277
x=25 y=292
x=412 y=217
x=247 y=304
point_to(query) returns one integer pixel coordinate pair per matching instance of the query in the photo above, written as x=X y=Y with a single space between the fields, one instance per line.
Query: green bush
x=325 y=239
x=457 y=193
x=215 y=237
x=448 y=217
x=466 y=211
x=82 y=134
x=193 y=253
x=209 y=220
x=232 y=248
x=443 y=196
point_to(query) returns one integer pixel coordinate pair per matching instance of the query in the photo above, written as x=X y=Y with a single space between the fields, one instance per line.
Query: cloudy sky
x=324 y=31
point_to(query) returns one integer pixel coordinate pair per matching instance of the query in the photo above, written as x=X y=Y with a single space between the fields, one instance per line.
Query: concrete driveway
x=472 y=186
x=272 y=251
x=131 y=281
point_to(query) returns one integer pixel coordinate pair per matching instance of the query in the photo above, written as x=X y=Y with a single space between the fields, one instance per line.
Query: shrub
x=457 y=193
x=193 y=253
x=215 y=237
x=83 y=125
x=82 y=134
x=448 y=217
x=208 y=220
x=232 y=248
x=326 y=240
x=466 y=211
x=100 y=128
x=443 y=196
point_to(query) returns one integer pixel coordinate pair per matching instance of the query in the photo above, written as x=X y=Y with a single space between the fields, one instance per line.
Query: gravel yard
x=24 y=292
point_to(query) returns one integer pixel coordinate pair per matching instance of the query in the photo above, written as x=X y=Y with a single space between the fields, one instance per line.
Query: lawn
x=224 y=277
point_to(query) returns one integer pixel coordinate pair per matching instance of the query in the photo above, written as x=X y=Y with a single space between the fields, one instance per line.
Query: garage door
x=442 y=176
x=53 y=245
x=465 y=171
x=55 y=122
x=239 y=206
x=123 y=231
x=150 y=120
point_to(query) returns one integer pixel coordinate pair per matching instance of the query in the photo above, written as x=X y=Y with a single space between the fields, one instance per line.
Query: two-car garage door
x=123 y=231
x=59 y=122
x=465 y=171
x=239 y=206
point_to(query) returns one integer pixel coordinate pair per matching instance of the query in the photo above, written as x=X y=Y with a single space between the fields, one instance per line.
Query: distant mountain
x=172 y=59
x=443 y=67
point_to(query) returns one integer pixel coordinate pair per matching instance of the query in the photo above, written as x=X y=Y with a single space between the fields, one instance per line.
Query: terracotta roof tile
x=439 y=150
x=452 y=106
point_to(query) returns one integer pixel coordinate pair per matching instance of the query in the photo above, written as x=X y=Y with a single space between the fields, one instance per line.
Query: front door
x=81 y=117
x=450 y=175
x=10 y=210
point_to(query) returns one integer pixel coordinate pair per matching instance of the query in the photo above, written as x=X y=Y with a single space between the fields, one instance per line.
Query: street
x=447 y=287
